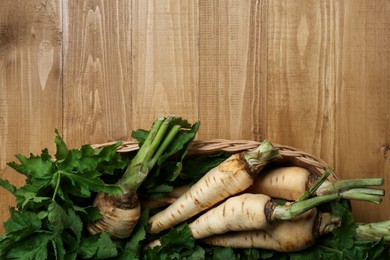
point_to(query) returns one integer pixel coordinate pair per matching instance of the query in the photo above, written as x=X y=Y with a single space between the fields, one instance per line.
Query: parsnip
x=231 y=177
x=246 y=212
x=291 y=182
x=120 y=213
x=242 y=212
x=287 y=183
x=256 y=211
x=283 y=236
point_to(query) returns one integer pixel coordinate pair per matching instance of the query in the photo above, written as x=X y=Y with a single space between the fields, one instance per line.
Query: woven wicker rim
x=213 y=146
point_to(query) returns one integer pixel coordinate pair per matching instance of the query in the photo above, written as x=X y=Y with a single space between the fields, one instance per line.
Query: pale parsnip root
x=252 y=211
x=118 y=220
x=287 y=183
x=230 y=177
x=243 y=212
x=291 y=182
x=283 y=236
x=258 y=212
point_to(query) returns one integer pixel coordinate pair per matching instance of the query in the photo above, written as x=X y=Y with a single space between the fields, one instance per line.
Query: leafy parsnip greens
x=341 y=244
x=54 y=205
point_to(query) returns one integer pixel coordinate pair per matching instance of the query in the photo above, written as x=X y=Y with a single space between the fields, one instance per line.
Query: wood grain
x=231 y=49
x=97 y=71
x=30 y=84
x=306 y=73
x=301 y=76
x=165 y=60
x=363 y=97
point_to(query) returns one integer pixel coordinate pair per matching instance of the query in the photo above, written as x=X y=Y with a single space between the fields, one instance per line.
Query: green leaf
x=8 y=186
x=62 y=149
x=93 y=214
x=376 y=249
x=22 y=223
x=159 y=190
x=106 y=247
x=197 y=254
x=172 y=170
x=224 y=253
x=177 y=239
x=140 y=135
x=133 y=247
x=34 y=247
x=34 y=167
x=88 y=247
x=70 y=162
x=99 y=246
x=57 y=217
x=104 y=160
x=58 y=247
x=75 y=224
x=346 y=232
x=33 y=186
x=6 y=242
x=31 y=197
x=182 y=140
x=85 y=184
x=109 y=158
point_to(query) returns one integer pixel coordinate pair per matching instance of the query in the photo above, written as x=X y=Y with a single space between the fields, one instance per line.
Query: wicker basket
x=290 y=155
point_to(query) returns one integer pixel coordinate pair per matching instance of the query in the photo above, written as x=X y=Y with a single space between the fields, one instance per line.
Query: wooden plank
x=165 y=60
x=301 y=76
x=97 y=71
x=30 y=86
x=232 y=68
x=363 y=97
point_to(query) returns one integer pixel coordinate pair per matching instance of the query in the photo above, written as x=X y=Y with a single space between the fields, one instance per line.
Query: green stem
x=175 y=129
x=157 y=140
x=154 y=146
x=315 y=186
x=135 y=173
x=330 y=187
x=374 y=231
x=58 y=182
x=144 y=149
x=364 y=194
x=286 y=212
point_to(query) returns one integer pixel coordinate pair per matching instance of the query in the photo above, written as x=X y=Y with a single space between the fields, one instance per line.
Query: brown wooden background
x=311 y=74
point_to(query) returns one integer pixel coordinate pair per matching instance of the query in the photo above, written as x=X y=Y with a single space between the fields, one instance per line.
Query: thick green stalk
x=330 y=187
x=144 y=150
x=290 y=211
x=365 y=194
x=374 y=231
x=157 y=139
x=172 y=133
x=155 y=144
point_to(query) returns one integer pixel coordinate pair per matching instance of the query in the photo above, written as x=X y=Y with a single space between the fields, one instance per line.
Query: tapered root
x=208 y=191
x=243 y=212
x=284 y=236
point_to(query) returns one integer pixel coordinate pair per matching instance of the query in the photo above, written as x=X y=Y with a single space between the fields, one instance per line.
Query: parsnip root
x=283 y=236
x=119 y=215
x=231 y=177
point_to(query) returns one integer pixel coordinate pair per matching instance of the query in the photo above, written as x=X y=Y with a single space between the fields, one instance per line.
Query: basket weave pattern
x=292 y=155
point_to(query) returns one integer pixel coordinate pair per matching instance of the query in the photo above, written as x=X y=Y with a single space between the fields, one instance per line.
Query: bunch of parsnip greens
x=88 y=204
